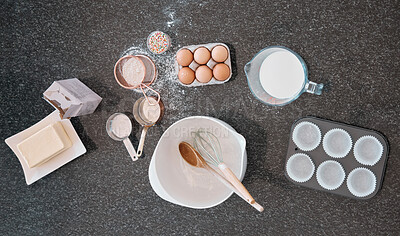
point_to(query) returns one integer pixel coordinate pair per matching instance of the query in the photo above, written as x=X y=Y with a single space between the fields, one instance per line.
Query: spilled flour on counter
x=169 y=12
x=171 y=91
x=173 y=94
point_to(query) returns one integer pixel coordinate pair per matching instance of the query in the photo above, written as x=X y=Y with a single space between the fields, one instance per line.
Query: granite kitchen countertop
x=352 y=47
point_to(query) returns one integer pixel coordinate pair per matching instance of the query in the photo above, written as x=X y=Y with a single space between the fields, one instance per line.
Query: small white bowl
x=175 y=181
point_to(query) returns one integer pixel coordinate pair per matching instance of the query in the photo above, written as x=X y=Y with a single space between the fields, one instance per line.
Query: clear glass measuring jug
x=277 y=76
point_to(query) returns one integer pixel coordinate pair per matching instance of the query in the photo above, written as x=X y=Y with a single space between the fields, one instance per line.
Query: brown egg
x=221 y=71
x=203 y=74
x=202 y=55
x=186 y=75
x=219 y=53
x=184 y=57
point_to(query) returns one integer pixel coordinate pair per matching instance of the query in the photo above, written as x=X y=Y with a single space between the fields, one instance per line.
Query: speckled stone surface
x=352 y=47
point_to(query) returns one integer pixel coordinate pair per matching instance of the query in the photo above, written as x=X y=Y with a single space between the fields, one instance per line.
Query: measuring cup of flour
x=119 y=127
x=136 y=72
x=277 y=76
x=147 y=114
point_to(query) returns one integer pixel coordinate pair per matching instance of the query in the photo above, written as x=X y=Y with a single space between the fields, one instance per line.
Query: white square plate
x=36 y=173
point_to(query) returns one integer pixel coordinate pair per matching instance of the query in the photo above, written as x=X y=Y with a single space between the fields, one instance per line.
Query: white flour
x=165 y=64
x=169 y=12
x=150 y=112
x=133 y=71
x=166 y=82
x=121 y=126
x=171 y=91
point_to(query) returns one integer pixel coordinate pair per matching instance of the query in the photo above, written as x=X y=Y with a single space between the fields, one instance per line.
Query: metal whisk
x=208 y=145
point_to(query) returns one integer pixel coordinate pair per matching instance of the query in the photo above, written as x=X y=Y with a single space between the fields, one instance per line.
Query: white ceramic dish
x=36 y=173
x=175 y=181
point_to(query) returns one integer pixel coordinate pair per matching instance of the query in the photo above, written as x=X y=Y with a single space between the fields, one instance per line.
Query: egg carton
x=349 y=162
x=211 y=63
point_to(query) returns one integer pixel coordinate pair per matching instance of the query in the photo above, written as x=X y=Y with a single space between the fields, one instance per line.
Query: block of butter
x=44 y=144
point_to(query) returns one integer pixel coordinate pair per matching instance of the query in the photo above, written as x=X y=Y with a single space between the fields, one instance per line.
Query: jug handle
x=247 y=68
x=314 y=88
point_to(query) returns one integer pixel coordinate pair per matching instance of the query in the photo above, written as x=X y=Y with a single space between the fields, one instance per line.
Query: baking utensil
x=119 y=127
x=344 y=164
x=192 y=157
x=145 y=78
x=279 y=68
x=173 y=180
x=147 y=112
x=209 y=147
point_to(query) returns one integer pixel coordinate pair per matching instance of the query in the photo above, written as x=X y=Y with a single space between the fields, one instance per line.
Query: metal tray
x=348 y=162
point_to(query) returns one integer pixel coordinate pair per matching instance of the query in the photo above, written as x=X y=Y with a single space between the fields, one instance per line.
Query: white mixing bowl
x=176 y=181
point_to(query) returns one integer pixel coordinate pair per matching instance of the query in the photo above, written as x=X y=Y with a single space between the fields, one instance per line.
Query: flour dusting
x=133 y=71
x=166 y=82
x=173 y=94
x=169 y=12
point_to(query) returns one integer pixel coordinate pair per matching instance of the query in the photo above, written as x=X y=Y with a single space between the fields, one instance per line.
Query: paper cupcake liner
x=337 y=143
x=368 y=150
x=300 y=167
x=330 y=175
x=306 y=136
x=361 y=182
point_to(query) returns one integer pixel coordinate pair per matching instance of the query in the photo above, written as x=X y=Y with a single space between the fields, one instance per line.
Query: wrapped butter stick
x=72 y=98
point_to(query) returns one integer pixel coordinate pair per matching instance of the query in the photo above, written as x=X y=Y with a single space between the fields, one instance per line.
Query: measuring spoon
x=119 y=127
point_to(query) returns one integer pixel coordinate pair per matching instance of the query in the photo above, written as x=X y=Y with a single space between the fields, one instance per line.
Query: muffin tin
x=211 y=63
x=345 y=162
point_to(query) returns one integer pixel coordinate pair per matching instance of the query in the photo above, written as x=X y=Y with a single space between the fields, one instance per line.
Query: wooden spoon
x=193 y=158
